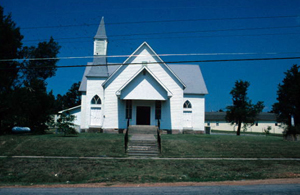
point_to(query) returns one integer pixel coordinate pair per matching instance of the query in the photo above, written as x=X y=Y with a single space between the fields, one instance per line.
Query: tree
x=242 y=110
x=38 y=103
x=73 y=96
x=65 y=123
x=288 y=97
x=10 y=48
x=34 y=106
x=24 y=99
x=43 y=68
x=70 y=99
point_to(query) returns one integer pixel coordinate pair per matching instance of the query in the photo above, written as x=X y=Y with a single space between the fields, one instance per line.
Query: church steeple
x=100 y=40
x=101 y=33
x=99 y=67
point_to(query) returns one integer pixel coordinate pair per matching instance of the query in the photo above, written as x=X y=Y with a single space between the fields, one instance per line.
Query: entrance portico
x=143 y=112
x=143 y=94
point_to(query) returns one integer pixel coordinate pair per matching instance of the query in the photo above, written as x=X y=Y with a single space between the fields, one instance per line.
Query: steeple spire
x=101 y=33
x=99 y=68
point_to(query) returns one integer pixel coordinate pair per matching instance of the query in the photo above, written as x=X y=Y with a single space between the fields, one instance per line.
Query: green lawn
x=181 y=145
x=85 y=144
x=51 y=171
x=228 y=146
x=245 y=133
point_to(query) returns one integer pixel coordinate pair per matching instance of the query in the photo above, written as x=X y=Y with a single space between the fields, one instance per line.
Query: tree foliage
x=24 y=100
x=288 y=97
x=65 y=123
x=10 y=47
x=33 y=106
x=70 y=99
x=40 y=69
x=242 y=110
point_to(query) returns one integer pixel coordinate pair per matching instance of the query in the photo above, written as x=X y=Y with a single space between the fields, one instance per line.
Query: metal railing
x=158 y=135
x=126 y=136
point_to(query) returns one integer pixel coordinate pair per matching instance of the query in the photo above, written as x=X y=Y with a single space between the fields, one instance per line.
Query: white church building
x=143 y=90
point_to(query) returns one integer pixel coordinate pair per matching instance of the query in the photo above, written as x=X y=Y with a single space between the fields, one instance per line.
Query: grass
x=226 y=146
x=85 y=144
x=181 y=145
x=53 y=171
x=246 y=133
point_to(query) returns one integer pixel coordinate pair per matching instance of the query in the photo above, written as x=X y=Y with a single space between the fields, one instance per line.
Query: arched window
x=187 y=104
x=96 y=100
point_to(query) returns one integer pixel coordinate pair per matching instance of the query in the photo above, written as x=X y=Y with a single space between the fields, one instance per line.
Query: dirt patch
x=222 y=183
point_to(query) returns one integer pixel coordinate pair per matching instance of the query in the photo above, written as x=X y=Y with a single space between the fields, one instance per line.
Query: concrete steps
x=142 y=129
x=142 y=142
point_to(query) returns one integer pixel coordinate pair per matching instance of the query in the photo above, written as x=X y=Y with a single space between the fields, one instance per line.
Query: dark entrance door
x=143 y=115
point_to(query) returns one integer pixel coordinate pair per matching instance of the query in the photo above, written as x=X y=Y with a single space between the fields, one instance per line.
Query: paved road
x=288 y=189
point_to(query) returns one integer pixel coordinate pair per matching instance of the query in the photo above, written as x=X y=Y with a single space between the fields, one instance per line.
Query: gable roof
x=133 y=55
x=188 y=75
x=169 y=93
x=110 y=70
x=191 y=75
x=82 y=86
x=100 y=70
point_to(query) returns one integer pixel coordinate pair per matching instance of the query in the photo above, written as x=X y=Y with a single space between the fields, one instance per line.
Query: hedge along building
x=142 y=91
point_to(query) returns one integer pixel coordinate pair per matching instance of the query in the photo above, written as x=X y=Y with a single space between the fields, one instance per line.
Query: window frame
x=187 y=106
x=96 y=100
x=208 y=123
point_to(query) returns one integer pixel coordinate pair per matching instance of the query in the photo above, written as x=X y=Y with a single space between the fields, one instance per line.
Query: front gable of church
x=144 y=86
x=144 y=56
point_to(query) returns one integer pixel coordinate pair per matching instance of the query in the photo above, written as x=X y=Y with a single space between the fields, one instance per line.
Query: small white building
x=142 y=91
x=217 y=121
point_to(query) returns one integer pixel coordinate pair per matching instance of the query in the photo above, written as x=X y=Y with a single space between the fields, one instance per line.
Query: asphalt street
x=273 y=189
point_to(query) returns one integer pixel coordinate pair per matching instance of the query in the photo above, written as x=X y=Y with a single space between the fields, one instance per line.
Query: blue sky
x=215 y=29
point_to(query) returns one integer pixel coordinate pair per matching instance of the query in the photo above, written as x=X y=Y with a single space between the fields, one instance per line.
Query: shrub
x=65 y=124
x=267 y=131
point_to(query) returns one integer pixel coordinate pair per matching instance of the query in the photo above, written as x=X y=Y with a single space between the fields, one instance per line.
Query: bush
x=65 y=124
x=267 y=131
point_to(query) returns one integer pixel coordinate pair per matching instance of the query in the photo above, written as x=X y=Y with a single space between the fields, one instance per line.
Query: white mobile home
x=217 y=121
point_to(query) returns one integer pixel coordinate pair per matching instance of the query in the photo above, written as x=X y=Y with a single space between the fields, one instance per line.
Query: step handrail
x=158 y=135
x=126 y=136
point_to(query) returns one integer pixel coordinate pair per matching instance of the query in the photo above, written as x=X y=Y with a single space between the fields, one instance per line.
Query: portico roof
x=146 y=86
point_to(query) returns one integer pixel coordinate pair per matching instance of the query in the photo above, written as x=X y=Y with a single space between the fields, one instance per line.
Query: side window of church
x=128 y=109
x=96 y=100
x=187 y=104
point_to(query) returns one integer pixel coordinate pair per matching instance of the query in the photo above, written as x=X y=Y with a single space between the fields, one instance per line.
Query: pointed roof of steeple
x=101 y=33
